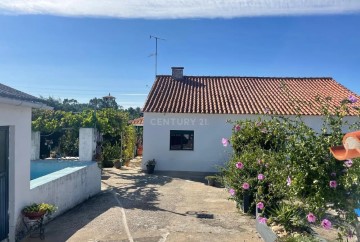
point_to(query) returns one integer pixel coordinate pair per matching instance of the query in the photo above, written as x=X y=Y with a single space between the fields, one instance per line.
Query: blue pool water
x=357 y=211
x=40 y=168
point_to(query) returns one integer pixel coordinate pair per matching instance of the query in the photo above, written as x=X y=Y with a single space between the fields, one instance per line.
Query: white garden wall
x=87 y=144
x=67 y=188
x=208 y=129
x=18 y=118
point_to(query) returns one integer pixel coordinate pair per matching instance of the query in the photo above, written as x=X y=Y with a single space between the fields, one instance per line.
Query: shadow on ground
x=140 y=192
x=129 y=189
x=134 y=191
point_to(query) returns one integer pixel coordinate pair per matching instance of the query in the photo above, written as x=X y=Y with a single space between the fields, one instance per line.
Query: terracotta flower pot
x=139 y=151
x=34 y=215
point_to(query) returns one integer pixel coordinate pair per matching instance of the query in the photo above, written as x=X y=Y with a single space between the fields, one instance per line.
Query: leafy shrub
x=69 y=143
x=293 y=218
x=277 y=159
x=110 y=153
x=129 y=140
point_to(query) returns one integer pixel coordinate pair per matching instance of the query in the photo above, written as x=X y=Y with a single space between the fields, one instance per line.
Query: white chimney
x=177 y=73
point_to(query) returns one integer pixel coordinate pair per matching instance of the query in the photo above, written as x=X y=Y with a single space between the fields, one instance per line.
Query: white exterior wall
x=87 y=144
x=19 y=120
x=208 y=129
x=67 y=190
x=35 y=145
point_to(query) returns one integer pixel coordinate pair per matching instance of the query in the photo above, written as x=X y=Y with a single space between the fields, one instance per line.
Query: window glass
x=181 y=140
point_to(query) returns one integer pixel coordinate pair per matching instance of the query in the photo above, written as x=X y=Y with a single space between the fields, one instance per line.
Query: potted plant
x=150 y=166
x=139 y=150
x=38 y=210
x=211 y=180
x=117 y=163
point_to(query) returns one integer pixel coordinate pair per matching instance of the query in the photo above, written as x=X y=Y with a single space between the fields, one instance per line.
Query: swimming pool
x=40 y=168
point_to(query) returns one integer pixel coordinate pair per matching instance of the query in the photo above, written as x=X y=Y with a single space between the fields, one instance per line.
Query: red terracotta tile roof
x=242 y=95
x=137 y=121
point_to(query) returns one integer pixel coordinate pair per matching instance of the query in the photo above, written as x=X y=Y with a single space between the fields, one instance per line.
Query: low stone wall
x=67 y=188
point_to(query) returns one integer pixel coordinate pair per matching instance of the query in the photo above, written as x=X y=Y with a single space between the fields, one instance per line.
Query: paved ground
x=137 y=207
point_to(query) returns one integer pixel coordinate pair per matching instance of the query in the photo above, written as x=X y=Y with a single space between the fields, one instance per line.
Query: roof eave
x=23 y=103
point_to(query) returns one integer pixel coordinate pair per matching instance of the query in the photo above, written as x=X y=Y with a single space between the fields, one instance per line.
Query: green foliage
x=111 y=122
x=299 y=238
x=151 y=162
x=129 y=139
x=293 y=218
x=109 y=153
x=211 y=178
x=40 y=207
x=134 y=112
x=255 y=161
x=267 y=134
x=68 y=105
x=69 y=143
x=284 y=149
x=102 y=103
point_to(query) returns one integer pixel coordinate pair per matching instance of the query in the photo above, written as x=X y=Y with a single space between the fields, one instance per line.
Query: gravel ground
x=134 y=206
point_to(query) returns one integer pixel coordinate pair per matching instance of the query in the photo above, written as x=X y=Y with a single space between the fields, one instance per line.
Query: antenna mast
x=156 y=52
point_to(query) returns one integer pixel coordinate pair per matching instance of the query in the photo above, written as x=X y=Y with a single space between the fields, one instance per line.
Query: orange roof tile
x=137 y=121
x=243 y=95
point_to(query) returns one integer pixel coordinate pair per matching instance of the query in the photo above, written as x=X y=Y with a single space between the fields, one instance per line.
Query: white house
x=185 y=117
x=15 y=141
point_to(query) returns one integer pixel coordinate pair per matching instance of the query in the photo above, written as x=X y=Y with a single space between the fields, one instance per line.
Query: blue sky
x=46 y=50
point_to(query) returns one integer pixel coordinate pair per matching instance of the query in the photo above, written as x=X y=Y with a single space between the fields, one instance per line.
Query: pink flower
x=352 y=99
x=232 y=192
x=259 y=161
x=260 y=205
x=288 y=181
x=262 y=220
x=225 y=141
x=237 y=128
x=348 y=163
x=261 y=177
x=311 y=218
x=326 y=224
x=239 y=165
x=333 y=184
x=245 y=186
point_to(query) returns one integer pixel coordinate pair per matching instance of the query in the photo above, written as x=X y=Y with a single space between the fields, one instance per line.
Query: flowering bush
x=280 y=161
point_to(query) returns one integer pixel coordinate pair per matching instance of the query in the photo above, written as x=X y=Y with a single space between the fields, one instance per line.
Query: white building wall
x=35 y=145
x=87 y=144
x=19 y=120
x=209 y=129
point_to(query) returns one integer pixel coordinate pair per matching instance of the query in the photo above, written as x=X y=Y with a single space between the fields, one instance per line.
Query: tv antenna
x=156 y=52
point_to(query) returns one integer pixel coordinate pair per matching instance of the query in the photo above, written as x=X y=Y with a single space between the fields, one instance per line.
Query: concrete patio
x=134 y=206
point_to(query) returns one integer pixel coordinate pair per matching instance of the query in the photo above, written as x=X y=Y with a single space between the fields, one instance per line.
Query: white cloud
x=168 y=9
